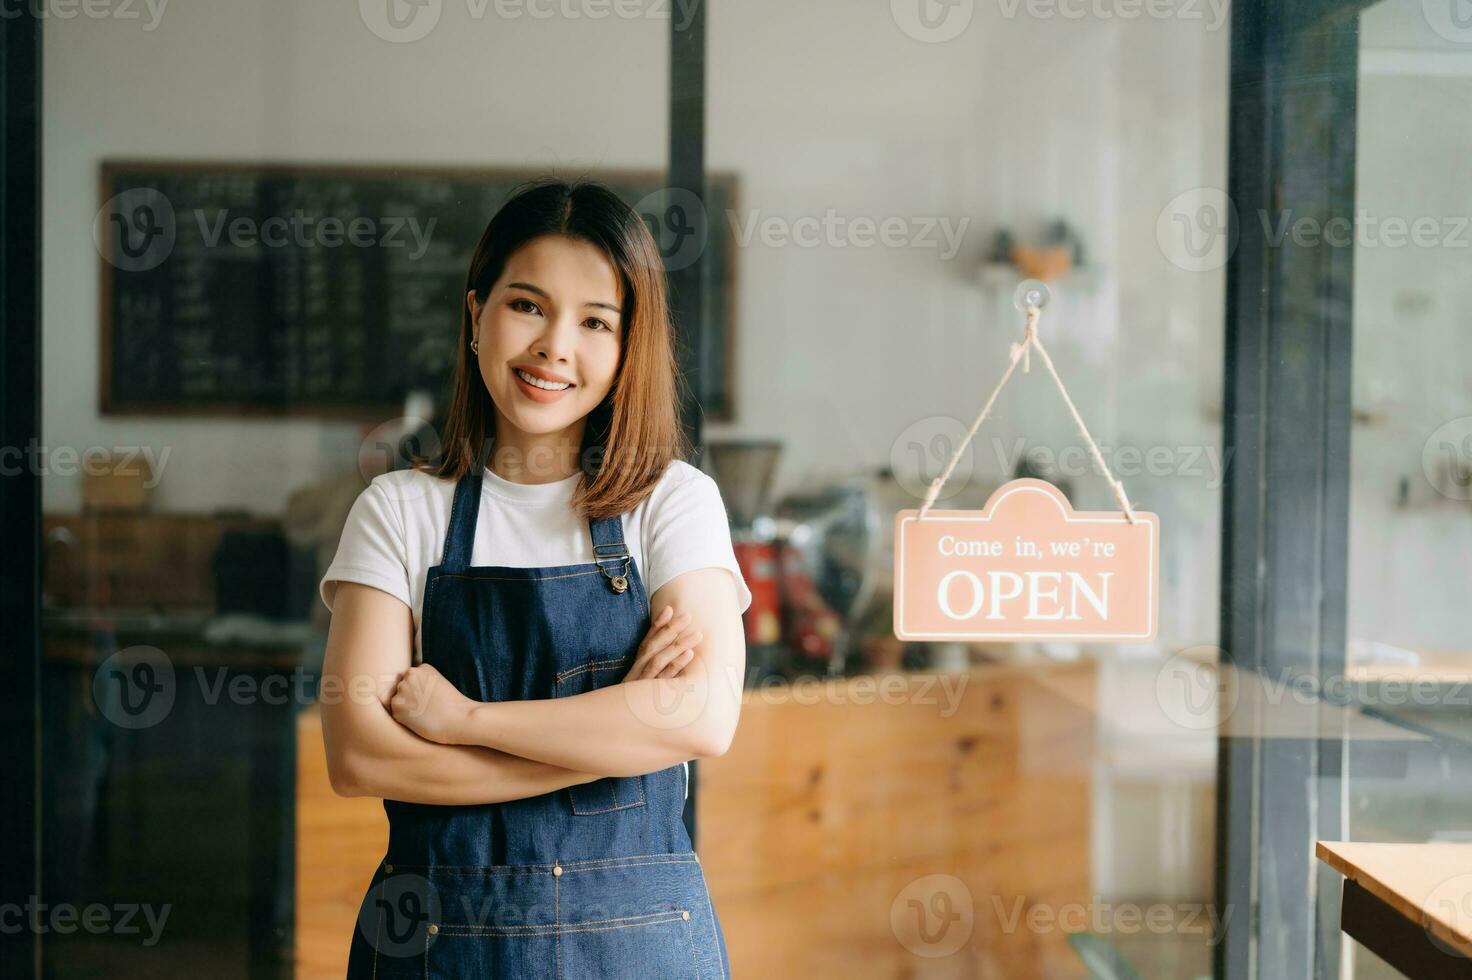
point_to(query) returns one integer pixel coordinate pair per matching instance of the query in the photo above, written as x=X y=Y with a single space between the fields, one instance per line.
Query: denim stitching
x=559 y=929
x=590 y=864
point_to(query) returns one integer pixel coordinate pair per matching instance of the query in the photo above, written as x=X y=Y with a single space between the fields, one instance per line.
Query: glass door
x=1410 y=643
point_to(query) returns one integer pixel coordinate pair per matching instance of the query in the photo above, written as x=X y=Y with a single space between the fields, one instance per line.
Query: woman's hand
x=429 y=705
x=665 y=651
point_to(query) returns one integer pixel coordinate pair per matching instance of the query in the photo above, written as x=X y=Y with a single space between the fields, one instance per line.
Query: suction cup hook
x=1031 y=292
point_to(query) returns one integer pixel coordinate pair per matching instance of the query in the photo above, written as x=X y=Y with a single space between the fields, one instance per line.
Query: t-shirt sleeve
x=372 y=549
x=689 y=529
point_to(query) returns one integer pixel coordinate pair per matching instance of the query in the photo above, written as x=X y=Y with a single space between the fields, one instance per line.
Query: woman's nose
x=556 y=341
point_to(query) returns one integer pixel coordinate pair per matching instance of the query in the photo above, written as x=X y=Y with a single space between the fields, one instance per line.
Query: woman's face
x=550 y=332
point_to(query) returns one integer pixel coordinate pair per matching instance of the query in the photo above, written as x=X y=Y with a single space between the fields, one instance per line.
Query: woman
x=492 y=669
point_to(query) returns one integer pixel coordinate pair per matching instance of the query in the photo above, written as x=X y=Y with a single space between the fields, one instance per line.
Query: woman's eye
x=598 y=324
x=519 y=305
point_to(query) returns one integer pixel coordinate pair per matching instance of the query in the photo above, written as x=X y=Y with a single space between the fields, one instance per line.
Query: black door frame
x=686 y=182
x=1285 y=504
x=20 y=484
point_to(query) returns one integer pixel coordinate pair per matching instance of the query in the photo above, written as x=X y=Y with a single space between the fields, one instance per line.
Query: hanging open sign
x=1026 y=567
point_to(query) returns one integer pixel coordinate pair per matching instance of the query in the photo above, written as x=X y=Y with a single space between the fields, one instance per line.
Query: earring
x=475 y=345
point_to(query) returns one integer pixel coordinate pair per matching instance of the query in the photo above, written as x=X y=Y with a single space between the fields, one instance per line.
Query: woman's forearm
x=390 y=762
x=627 y=729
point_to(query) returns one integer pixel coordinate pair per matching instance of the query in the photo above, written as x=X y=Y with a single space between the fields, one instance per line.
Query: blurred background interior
x=878 y=181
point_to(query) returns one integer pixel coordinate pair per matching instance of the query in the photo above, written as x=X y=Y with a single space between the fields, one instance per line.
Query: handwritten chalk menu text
x=1026 y=567
x=312 y=290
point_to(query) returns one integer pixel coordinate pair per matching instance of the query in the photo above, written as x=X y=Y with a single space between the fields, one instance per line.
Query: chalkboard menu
x=282 y=289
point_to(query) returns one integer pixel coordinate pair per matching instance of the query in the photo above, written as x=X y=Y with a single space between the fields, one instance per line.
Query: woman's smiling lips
x=535 y=393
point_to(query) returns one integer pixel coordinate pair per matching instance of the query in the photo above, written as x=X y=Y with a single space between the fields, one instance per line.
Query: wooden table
x=1409 y=904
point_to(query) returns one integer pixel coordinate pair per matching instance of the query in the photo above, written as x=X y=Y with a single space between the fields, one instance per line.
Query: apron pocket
x=610 y=793
x=656 y=945
x=641 y=946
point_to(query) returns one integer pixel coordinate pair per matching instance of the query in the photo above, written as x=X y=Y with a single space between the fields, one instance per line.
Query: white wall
x=1412 y=347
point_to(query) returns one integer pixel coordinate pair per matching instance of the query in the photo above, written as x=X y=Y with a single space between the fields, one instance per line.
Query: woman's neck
x=523 y=457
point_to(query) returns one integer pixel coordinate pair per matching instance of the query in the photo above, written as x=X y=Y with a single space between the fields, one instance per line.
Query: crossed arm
x=405 y=733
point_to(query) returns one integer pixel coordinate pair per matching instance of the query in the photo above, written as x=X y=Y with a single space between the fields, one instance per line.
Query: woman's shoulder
x=679 y=479
x=408 y=492
x=682 y=492
x=679 y=472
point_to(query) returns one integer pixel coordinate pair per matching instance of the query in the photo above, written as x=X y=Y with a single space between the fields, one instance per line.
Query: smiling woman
x=497 y=601
x=567 y=286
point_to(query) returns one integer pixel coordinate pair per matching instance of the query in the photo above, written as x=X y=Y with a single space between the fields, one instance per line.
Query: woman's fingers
x=658 y=639
x=681 y=661
x=645 y=664
x=662 y=659
x=663 y=642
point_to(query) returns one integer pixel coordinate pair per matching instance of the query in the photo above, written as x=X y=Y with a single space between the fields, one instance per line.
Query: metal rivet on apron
x=434 y=930
x=685 y=916
x=620 y=583
x=557 y=871
x=388 y=868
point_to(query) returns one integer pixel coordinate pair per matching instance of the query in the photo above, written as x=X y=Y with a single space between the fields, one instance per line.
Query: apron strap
x=609 y=550
x=460 y=537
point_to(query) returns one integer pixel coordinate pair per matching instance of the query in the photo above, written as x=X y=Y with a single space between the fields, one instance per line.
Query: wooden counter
x=820 y=830
x=1410 y=904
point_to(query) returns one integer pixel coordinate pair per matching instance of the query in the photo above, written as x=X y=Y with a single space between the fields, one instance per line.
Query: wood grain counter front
x=899 y=825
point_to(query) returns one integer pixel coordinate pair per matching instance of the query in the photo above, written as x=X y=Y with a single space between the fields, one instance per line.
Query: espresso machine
x=743 y=469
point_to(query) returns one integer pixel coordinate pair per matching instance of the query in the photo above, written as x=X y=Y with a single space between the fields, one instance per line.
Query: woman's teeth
x=539 y=383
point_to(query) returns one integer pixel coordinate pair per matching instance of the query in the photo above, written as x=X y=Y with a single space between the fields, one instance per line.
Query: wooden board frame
x=720 y=411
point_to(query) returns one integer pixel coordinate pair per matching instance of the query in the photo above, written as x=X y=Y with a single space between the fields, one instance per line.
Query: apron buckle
x=620 y=583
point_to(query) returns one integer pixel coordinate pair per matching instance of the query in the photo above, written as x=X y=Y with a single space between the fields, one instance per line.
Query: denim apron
x=596 y=880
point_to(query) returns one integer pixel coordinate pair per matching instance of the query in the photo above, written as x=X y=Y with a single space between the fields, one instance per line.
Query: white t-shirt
x=396 y=531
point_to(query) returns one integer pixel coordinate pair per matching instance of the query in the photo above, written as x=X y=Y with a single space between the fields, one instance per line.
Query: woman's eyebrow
x=543 y=293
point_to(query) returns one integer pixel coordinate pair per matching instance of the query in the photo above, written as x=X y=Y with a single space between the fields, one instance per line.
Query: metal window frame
x=688 y=306
x=1285 y=505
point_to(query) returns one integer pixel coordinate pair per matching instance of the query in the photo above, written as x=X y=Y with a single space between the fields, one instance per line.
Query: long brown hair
x=634 y=433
